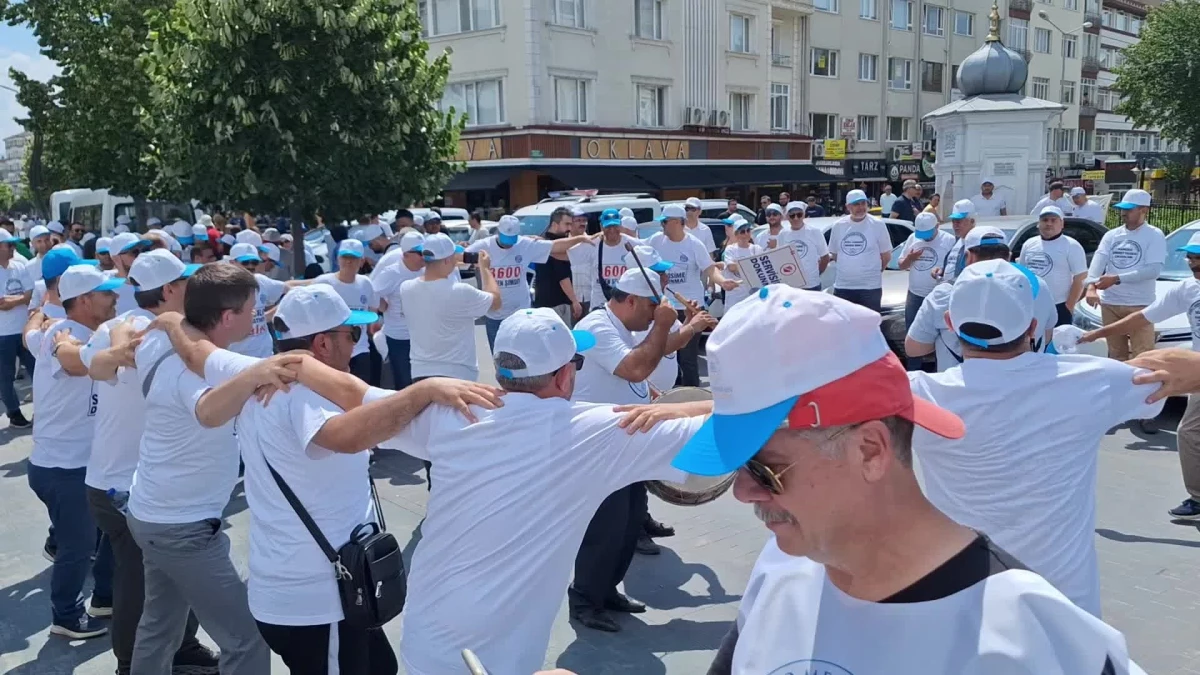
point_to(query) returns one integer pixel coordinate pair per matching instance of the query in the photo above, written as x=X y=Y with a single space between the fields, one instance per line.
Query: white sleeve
x=101 y=340
x=1175 y=301
x=413 y=439
x=190 y=390
x=822 y=247
x=1157 y=253
x=835 y=236
x=609 y=350
x=26 y=279
x=371 y=293
x=477 y=246
x=273 y=289
x=386 y=282
x=1128 y=400
x=471 y=302
x=223 y=365
x=309 y=411
x=703 y=259
x=883 y=239
x=537 y=250
x=927 y=323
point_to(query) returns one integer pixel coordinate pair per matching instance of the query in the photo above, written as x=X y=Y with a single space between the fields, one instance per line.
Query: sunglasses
x=578 y=361
x=355 y=332
x=795 y=216
x=771 y=480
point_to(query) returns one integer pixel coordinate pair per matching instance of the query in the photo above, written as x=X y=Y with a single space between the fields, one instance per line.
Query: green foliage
x=7 y=198
x=1158 y=79
x=305 y=104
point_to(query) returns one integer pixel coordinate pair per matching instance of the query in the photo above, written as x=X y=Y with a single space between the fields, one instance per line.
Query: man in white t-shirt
x=1057 y=197
x=987 y=203
x=610 y=254
x=861 y=247
x=40 y=243
x=768 y=238
x=691 y=269
x=1084 y=207
x=246 y=255
x=359 y=294
x=17 y=287
x=809 y=244
x=62 y=438
x=962 y=220
x=691 y=210
x=822 y=447
x=1058 y=260
x=886 y=199
x=926 y=247
x=387 y=280
x=124 y=249
x=1182 y=298
x=583 y=261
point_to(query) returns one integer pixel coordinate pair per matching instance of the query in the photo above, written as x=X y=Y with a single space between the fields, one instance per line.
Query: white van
x=98 y=211
x=60 y=204
x=447 y=213
x=535 y=219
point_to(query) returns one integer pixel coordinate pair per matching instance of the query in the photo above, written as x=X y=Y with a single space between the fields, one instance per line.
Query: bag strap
x=958 y=357
x=154 y=369
x=311 y=525
x=605 y=289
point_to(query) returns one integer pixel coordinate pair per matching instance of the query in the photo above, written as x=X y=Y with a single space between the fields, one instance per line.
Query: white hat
x=1078 y=192
x=199 y=232
x=1050 y=210
x=272 y=252
x=412 y=241
x=38 y=231
x=796 y=206
x=244 y=252
x=439 y=247
x=249 y=237
x=629 y=223
x=81 y=279
x=540 y=339
x=856 y=196
x=87 y=236
x=846 y=374
x=316 y=309
x=775 y=207
x=963 y=208
x=173 y=245
x=418 y=221
x=925 y=222
x=692 y=203
x=672 y=211
x=650 y=258
x=181 y=230
x=369 y=232
x=625 y=212
x=270 y=234
x=985 y=180
x=433 y=215
x=984 y=235
x=126 y=241
x=102 y=244
x=155 y=269
x=509 y=229
x=123 y=220
x=1133 y=199
x=351 y=248
x=285 y=237
x=206 y=220
x=228 y=239
x=152 y=221
x=633 y=282
x=56 y=227
x=121 y=228
x=576 y=212
x=993 y=293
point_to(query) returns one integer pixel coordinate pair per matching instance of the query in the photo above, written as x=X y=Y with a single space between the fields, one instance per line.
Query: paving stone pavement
x=1149 y=569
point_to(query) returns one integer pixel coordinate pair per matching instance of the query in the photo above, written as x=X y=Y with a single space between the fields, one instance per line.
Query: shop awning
x=767 y=174
x=667 y=177
x=481 y=178
x=597 y=177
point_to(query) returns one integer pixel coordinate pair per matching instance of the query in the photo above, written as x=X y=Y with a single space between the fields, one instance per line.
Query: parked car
x=536 y=218
x=714 y=208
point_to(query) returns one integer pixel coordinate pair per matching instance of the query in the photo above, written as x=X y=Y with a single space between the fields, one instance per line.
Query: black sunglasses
x=578 y=361
x=355 y=332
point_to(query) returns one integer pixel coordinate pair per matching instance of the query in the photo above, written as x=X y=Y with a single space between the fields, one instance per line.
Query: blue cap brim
x=349 y=254
x=417 y=249
x=459 y=249
x=583 y=341
x=190 y=270
x=662 y=266
x=99 y=250
x=360 y=317
x=725 y=442
x=110 y=284
x=610 y=223
x=130 y=247
x=1124 y=205
x=248 y=258
x=187 y=241
x=957 y=216
x=926 y=235
x=1194 y=249
x=857 y=201
x=93 y=263
x=507 y=239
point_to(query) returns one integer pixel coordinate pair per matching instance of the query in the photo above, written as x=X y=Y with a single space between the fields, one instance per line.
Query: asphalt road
x=1149 y=569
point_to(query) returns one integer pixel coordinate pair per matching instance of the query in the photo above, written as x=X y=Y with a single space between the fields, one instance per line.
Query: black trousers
x=608 y=547
x=689 y=360
x=1064 y=316
x=305 y=650
x=872 y=299
x=129 y=586
x=428 y=465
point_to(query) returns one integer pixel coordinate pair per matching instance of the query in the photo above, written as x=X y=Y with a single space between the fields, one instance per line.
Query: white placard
x=777 y=266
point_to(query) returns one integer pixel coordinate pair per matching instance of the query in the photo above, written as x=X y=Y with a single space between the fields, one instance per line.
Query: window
x=1105 y=100
x=1041 y=88
x=445 y=17
x=781 y=106
x=778 y=50
x=902 y=14
x=824 y=125
x=1093 y=6
x=647 y=19
x=741 y=108
x=1066 y=140
x=897 y=129
x=1087 y=91
x=1070 y=48
x=866 y=128
x=739 y=33
x=824 y=62
x=1068 y=92
x=1018 y=34
x=899 y=73
x=931 y=20
x=1085 y=140
x=868 y=67
x=1041 y=40
x=482 y=101
x=570 y=13
x=1072 y=5
x=651 y=105
x=868 y=9
x=1091 y=45
x=570 y=100
x=931 y=77
x=1108 y=19
x=964 y=23
x=826 y=5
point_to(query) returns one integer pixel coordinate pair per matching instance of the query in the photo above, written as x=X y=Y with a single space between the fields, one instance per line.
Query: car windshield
x=458 y=235
x=534 y=226
x=1176 y=268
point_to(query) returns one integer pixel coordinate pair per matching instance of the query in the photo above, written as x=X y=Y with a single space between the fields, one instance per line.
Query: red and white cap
x=844 y=374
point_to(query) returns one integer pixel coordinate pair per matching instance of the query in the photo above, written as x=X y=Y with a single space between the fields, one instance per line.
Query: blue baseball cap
x=610 y=218
x=59 y=259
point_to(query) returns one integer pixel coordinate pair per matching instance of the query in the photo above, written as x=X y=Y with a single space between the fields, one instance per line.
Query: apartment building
x=12 y=167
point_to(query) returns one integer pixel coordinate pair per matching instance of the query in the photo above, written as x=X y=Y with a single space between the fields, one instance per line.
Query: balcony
x=1095 y=21
x=781 y=60
x=1020 y=8
x=1087 y=110
x=1090 y=64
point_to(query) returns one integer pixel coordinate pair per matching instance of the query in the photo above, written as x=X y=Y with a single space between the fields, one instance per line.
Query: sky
x=18 y=49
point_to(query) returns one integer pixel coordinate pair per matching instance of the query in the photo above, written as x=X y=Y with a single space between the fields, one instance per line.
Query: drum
x=695 y=489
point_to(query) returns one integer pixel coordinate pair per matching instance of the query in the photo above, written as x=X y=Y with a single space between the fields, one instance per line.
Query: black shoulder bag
x=605 y=288
x=369 y=568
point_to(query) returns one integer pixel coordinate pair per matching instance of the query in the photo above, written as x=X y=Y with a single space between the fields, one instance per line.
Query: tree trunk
x=141 y=212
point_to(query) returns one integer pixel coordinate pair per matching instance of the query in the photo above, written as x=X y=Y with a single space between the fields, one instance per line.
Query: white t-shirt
x=933 y=252
x=291 y=581
x=858 y=247
x=387 y=285
x=441 y=324
x=509 y=266
x=610 y=264
x=886 y=201
x=500 y=553
x=121 y=410
x=583 y=269
x=1089 y=210
x=66 y=406
x=596 y=382
x=1064 y=202
x=1182 y=298
x=359 y=296
x=794 y=621
x=690 y=258
x=185 y=471
x=259 y=343
x=33 y=338
x=15 y=280
x=1030 y=486
x=809 y=245
x=732 y=254
x=950 y=270
x=929 y=327
x=765 y=238
x=1056 y=262
x=988 y=208
x=39 y=294
x=125 y=300
x=704 y=234
x=34 y=266
x=1123 y=252
x=389 y=258
x=664 y=376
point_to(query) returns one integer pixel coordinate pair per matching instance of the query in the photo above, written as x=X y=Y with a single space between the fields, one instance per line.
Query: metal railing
x=1090 y=63
x=1166 y=216
x=1087 y=110
x=781 y=60
x=1020 y=5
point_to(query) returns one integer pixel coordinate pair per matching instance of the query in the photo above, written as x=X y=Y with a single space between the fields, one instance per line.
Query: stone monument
x=994 y=132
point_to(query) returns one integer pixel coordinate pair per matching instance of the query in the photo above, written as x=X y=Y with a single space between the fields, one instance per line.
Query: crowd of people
x=176 y=355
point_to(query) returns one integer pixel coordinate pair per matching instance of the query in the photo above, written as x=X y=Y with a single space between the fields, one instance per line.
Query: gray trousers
x=1188 y=439
x=188 y=566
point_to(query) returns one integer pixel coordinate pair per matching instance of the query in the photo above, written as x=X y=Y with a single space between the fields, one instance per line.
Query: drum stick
x=657 y=297
x=473 y=663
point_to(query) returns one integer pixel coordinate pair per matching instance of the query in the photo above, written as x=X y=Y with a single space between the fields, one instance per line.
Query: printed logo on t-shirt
x=518 y=259
x=854 y=243
x=810 y=667
x=1126 y=254
x=1040 y=263
x=13 y=286
x=93 y=401
x=683 y=257
x=509 y=276
x=800 y=248
x=1194 y=318
x=927 y=260
x=640 y=389
x=363 y=300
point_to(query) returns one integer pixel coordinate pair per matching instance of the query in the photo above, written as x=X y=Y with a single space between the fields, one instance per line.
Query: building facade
x=12 y=167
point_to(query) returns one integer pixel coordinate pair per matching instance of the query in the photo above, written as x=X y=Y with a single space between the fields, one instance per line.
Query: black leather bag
x=369 y=568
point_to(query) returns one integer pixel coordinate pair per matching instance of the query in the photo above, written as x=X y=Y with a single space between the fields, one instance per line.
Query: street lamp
x=1062 y=78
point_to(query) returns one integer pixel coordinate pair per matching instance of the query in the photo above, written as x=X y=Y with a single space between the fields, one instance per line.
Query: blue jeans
x=398 y=356
x=912 y=304
x=12 y=349
x=492 y=326
x=65 y=497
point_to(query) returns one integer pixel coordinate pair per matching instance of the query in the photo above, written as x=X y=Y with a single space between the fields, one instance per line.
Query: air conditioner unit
x=1082 y=158
x=723 y=119
x=897 y=153
x=694 y=117
x=818 y=149
x=851 y=144
x=927 y=146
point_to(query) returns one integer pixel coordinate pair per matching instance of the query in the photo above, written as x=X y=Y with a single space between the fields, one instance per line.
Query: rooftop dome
x=993 y=68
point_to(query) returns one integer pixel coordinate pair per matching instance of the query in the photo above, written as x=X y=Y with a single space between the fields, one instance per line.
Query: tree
x=36 y=98
x=298 y=107
x=7 y=198
x=1158 y=79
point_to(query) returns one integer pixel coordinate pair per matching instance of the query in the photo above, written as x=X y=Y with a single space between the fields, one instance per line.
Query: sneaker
x=17 y=420
x=83 y=628
x=100 y=609
x=1188 y=510
x=194 y=660
x=49 y=552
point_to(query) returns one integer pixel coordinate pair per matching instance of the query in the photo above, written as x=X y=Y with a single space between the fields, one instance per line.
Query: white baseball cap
x=1133 y=199
x=126 y=241
x=418 y=221
x=181 y=230
x=55 y=226
x=509 y=230
x=369 y=232
x=285 y=238
x=576 y=212
x=625 y=212
x=846 y=374
x=1078 y=192
x=316 y=309
x=1193 y=245
x=963 y=208
x=249 y=237
x=102 y=244
x=350 y=248
x=775 y=207
x=199 y=232
x=1050 y=210
x=81 y=279
x=270 y=234
x=87 y=236
x=984 y=235
x=439 y=247
x=925 y=222
x=123 y=220
x=272 y=252
x=155 y=269
x=993 y=293
x=856 y=196
x=152 y=221
x=245 y=252
x=650 y=258
x=986 y=181
x=802 y=207
x=433 y=215
x=672 y=211
x=412 y=241
x=38 y=231
x=228 y=239
x=692 y=203
x=539 y=338
x=629 y=223
x=633 y=282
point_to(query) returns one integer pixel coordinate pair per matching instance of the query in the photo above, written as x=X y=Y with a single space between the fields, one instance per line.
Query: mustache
x=770 y=517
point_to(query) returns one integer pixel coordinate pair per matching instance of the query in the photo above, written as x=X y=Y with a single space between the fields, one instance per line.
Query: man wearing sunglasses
x=691 y=210
x=770 y=237
x=360 y=296
x=823 y=447
x=808 y=243
x=1058 y=260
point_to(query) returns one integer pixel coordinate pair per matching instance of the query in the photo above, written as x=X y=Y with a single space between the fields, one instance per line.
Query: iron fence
x=1166 y=216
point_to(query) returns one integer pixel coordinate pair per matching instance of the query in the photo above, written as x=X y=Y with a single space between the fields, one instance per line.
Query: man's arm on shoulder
x=219 y=405
x=1129 y=400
